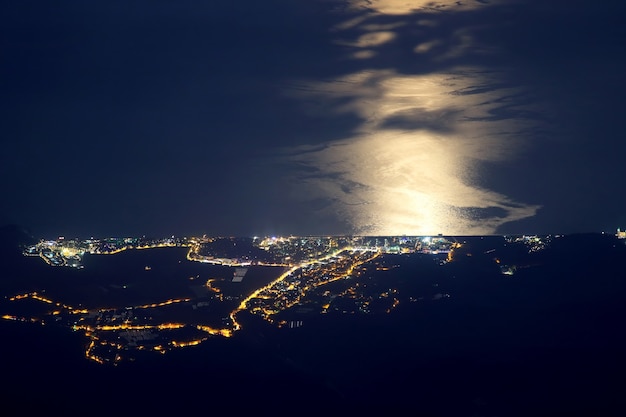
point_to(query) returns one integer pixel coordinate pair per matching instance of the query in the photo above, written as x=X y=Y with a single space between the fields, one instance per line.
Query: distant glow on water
x=395 y=7
x=408 y=168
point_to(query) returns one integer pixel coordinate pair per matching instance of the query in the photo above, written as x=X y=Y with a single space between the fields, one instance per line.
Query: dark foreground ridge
x=437 y=326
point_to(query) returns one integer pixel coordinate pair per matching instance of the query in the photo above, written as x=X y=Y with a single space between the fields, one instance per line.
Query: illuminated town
x=311 y=275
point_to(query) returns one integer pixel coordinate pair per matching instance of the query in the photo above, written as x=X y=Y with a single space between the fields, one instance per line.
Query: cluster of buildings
x=310 y=264
x=70 y=252
x=296 y=283
x=533 y=243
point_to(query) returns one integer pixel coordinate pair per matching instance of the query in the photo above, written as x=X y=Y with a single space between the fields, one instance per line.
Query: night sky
x=312 y=117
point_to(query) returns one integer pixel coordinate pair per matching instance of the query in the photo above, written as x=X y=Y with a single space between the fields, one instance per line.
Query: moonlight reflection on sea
x=409 y=167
